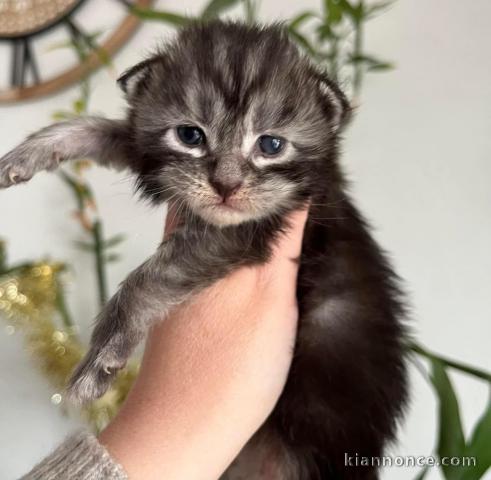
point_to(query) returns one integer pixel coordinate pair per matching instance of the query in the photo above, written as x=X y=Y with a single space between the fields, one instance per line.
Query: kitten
x=237 y=127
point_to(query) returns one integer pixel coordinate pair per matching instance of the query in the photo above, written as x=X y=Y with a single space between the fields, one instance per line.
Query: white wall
x=418 y=153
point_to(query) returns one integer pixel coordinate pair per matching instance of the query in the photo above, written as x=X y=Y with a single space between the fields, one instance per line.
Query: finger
x=289 y=244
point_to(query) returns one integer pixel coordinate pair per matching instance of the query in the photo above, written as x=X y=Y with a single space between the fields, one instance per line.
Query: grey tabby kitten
x=238 y=126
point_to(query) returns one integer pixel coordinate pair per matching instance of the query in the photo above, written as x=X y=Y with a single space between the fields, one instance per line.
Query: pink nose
x=225 y=189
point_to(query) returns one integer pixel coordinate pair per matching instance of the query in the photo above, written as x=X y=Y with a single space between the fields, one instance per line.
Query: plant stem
x=96 y=227
x=482 y=374
x=62 y=307
x=99 y=261
x=250 y=11
x=3 y=257
x=357 y=53
x=333 y=64
x=84 y=196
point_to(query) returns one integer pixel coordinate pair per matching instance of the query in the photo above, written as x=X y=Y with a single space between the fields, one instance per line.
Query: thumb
x=289 y=246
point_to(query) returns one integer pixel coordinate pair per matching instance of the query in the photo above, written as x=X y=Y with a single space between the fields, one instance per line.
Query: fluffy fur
x=347 y=385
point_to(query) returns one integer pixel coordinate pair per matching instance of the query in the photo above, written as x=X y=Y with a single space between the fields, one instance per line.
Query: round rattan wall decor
x=23 y=22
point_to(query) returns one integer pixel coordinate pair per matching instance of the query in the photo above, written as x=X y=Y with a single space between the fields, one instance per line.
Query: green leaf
x=303 y=42
x=95 y=35
x=355 y=12
x=161 y=16
x=372 y=63
x=377 y=8
x=80 y=191
x=333 y=12
x=112 y=258
x=80 y=106
x=297 y=21
x=462 y=367
x=84 y=45
x=346 y=7
x=86 y=246
x=62 y=115
x=104 y=57
x=326 y=32
x=113 y=241
x=60 y=45
x=479 y=447
x=381 y=67
x=451 y=441
x=91 y=37
x=91 y=45
x=217 y=7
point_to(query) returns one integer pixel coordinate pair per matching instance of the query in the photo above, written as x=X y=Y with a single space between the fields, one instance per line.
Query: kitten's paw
x=12 y=173
x=94 y=375
x=23 y=162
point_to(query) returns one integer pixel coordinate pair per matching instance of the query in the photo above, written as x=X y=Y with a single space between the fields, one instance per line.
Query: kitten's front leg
x=165 y=280
x=104 y=141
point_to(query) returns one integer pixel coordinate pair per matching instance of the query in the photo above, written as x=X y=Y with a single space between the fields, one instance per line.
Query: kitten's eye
x=270 y=145
x=190 y=135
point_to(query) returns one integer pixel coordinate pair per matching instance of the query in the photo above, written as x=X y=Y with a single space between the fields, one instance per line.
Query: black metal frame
x=22 y=56
x=22 y=59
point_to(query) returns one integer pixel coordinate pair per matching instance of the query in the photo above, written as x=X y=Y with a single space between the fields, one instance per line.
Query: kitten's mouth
x=227 y=206
x=224 y=213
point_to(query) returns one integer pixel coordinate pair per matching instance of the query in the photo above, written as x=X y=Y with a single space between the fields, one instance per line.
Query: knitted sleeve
x=79 y=457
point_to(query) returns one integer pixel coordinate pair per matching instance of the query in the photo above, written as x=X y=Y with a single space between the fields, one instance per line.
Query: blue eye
x=270 y=145
x=190 y=135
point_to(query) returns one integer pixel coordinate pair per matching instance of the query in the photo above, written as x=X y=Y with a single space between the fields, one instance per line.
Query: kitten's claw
x=94 y=375
x=33 y=155
x=88 y=386
x=13 y=171
x=13 y=176
x=9 y=177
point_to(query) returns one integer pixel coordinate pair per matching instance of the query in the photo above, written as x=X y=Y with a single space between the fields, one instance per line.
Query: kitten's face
x=231 y=122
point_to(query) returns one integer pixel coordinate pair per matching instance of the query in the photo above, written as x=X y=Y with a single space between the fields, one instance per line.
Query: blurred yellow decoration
x=30 y=304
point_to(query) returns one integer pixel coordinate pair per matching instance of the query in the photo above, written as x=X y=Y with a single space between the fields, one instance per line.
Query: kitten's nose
x=225 y=188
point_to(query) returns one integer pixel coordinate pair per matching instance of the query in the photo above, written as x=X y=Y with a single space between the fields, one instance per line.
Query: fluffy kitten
x=239 y=128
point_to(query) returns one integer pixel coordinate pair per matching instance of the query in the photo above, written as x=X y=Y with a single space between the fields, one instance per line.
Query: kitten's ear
x=129 y=80
x=337 y=106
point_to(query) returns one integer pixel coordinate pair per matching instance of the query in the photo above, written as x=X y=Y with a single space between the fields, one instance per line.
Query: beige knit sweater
x=80 y=457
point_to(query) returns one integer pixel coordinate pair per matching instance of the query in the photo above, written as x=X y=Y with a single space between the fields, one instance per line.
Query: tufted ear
x=131 y=78
x=337 y=106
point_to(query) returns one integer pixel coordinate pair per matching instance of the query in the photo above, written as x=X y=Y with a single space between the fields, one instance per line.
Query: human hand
x=212 y=372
